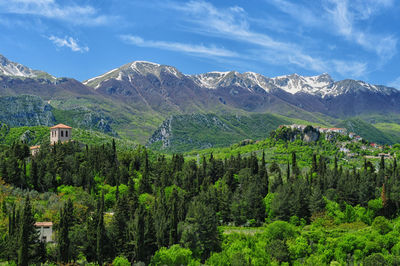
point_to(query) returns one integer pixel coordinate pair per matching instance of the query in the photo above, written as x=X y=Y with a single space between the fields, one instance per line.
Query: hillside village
x=345 y=145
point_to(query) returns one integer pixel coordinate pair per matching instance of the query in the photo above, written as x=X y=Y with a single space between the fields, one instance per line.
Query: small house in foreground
x=45 y=230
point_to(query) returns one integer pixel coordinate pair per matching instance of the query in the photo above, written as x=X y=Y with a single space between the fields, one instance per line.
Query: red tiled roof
x=60 y=126
x=34 y=147
x=38 y=224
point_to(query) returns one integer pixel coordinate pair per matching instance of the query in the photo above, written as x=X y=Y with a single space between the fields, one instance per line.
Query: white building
x=60 y=133
x=45 y=230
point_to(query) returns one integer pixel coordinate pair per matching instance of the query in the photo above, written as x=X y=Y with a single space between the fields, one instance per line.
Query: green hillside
x=368 y=131
x=391 y=129
x=39 y=134
x=183 y=133
x=200 y=131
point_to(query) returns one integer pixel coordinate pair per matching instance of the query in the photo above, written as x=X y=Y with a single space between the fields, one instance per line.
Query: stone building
x=60 y=133
x=45 y=230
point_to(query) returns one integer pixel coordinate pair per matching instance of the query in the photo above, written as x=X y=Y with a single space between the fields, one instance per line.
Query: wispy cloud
x=68 y=42
x=350 y=69
x=201 y=50
x=301 y=13
x=345 y=15
x=341 y=18
x=72 y=13
x=233 y=23
x=395 y=83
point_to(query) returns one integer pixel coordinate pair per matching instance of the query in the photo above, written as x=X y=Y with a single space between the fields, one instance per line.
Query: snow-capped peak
x=9 y=68
x=294 y=83
x=145 y=68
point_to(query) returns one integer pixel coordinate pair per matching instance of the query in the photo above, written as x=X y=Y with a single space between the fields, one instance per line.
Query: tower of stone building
x=60 y=133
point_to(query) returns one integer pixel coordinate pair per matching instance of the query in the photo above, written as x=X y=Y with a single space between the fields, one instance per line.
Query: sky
x=357 y=39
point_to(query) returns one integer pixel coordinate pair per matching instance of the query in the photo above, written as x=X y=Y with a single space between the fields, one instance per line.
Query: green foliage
x=121 y=261
x=149 y=202
x=382 y=225
x=174 y=256
x=199 y=131
x=280 y=230
x=367 y=131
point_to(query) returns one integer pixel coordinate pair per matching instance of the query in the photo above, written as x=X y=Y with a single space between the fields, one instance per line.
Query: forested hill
x=294 y=201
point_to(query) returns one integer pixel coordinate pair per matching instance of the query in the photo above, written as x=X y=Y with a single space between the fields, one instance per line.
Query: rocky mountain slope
x=181 y=133
x=134 y=99
x=9 y=68
x=164 y=88
x=25 y=110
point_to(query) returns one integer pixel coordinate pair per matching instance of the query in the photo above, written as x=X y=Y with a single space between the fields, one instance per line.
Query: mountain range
x=132 y=101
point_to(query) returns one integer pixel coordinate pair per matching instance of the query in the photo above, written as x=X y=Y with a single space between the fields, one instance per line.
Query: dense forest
x=134 y=206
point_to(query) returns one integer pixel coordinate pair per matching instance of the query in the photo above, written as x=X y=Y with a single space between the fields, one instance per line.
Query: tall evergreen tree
x=34 y=175
x=28 y=236
x=199 y=231
x=66 y=220
x=119 y=225
x=100 y=232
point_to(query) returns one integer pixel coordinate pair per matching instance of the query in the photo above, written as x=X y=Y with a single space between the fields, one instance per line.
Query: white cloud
x=180 y=47
x=351 y=69
x=299 y=12
x=395 y=83
x=233 y=23
x=345 y=14
x=342 y=16
x=68 y=42
x=75 y=14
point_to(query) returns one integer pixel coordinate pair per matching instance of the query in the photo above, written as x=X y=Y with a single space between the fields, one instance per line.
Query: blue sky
x=356 y=39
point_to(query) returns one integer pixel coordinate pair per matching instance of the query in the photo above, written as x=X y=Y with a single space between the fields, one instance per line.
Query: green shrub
x=121 y=261
x=174 y=256
x=375 y=259
x=382 y=225
x=280 y=230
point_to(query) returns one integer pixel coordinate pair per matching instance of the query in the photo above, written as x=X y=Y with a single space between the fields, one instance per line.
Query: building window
x=62 y=133
x=66 y=133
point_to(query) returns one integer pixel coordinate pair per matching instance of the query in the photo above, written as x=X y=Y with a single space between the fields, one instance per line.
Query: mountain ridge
x=293 y=83
x=131 y=101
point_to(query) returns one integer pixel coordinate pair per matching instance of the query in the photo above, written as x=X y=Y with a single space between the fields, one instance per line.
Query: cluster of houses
x=341 y=131
x=58 y=133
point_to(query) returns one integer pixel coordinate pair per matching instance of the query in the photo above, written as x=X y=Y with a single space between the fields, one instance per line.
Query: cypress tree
x=317 y=203
x=314 y=167
x=264 y=179
x=28 y=236
x=34 y=175
x=66 y=215
x=288 y=172
x=100 y=232
x=119 y=225
x=12 y=238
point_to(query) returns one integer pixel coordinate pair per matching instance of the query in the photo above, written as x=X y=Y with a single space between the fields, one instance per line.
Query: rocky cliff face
x=25 y=110
x=163 y=134
x=198 y=131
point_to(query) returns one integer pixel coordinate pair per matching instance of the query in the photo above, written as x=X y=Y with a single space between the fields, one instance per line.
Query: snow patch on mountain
x=209 y=80
x=316 y=85
x=320 y=86
x=99 y=77
x=9 y=68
